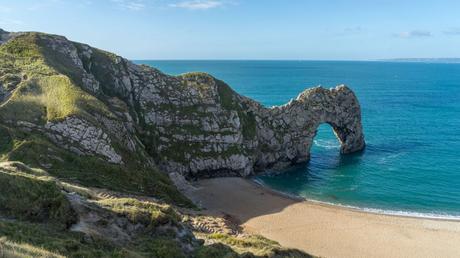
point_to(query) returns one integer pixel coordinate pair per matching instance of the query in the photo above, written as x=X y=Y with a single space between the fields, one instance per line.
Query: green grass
x=216 y=250
x=34 y=198
x=13 y=250
x=25 y=54
x=49 y=98
x=56 y=240
x=31 y=238
x=198 y=80
x=39 y=215
x=6 y=142
x=245 y=246
x=24 y=46
x=161 y=247
x=148 y=214
x=52 y=89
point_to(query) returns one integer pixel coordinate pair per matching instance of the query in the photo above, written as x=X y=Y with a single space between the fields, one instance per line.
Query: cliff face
x=91 y=103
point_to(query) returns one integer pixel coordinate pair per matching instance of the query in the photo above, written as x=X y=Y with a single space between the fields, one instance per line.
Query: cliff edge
x=60 y=96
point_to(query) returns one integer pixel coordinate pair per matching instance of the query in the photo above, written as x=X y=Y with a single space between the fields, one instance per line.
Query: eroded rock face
x=192 y=124
x=201 y=128
x=81 y=137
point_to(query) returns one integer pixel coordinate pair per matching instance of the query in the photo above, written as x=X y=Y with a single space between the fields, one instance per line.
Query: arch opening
x=326 y=138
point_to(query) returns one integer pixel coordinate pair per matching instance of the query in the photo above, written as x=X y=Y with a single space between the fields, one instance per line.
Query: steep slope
x=47 y=120
x=42 y=216
x=102 y=107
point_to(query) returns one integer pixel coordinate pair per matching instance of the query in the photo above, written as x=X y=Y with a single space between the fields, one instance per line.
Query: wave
x=386 y=159
x=327 y=144
x=399 y=213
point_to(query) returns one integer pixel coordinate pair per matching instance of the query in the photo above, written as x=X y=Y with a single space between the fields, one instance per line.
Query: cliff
x=86 y=134
x=92 y=103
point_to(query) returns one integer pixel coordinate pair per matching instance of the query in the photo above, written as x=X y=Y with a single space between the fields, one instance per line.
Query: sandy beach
x=325 y=230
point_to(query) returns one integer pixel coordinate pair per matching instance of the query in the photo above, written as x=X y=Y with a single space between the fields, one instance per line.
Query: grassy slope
x=35 y=198
x=39 y=216
x=36 y=217
x=48 y=94
x=249 y=246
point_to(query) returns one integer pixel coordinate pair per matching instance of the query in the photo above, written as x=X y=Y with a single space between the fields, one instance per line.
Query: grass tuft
x=148 y=214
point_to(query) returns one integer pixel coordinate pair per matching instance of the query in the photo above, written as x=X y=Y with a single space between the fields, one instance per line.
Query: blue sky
x=247 y=29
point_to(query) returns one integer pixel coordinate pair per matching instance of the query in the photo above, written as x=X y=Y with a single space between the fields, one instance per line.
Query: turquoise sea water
x=411 y=119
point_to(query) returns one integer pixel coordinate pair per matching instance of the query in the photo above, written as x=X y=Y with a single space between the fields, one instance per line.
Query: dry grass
x=17 y=250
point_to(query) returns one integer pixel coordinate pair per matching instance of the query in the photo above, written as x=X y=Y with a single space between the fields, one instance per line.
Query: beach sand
x=325 y=230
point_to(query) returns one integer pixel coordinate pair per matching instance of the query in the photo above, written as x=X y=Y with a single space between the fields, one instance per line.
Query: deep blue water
x=411 y=119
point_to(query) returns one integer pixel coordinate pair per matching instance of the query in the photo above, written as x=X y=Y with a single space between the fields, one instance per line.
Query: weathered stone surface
x=286 y=132
x=202 y=128
x=83 y=138
x=192 y=124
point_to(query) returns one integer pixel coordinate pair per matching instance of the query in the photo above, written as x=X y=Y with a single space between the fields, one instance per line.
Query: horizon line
x=398 y=59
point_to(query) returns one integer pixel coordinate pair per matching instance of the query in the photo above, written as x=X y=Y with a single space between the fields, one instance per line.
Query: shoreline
x=322 y=229
x=375 y=211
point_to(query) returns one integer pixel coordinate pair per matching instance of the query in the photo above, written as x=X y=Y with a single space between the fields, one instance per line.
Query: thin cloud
x=133 y=5
x=351 y=31
x=413 y=34
x=356 y=29
x=198 y=4
x=453 y=32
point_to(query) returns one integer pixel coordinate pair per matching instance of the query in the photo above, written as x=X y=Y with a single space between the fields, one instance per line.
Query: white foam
x=401 y=213
x=327 y=144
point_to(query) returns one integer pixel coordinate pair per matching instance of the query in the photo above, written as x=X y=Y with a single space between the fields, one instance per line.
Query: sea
x=411 y=122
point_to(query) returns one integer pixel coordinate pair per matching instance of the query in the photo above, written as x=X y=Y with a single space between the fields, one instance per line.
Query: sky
x=247 y=29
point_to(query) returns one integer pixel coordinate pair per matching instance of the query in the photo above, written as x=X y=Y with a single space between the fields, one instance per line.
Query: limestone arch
x=289 y=136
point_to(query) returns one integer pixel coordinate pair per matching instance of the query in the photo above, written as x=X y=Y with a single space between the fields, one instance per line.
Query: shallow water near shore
x=411 y=119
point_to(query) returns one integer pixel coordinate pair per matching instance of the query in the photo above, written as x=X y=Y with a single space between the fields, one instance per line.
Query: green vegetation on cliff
x=147 y=213
x=37 y=151
x=33 y=197
x=252 y=246
x=46 y=93
x=49 y=188
x=229 y=102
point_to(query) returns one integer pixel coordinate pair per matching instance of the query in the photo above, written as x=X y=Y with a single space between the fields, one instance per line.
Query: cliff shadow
x=239 y=199
x=244 y=199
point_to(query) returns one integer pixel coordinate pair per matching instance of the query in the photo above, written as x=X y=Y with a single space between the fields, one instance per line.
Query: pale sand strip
x=324 y=230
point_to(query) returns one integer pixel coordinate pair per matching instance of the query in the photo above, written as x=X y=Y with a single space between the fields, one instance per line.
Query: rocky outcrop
x=192 y=124
x=81 y=137
x=4 y=36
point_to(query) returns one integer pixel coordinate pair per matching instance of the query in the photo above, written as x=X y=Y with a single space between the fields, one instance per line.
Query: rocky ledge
x=94 y=103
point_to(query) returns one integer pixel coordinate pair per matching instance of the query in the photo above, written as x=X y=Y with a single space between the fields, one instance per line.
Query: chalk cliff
x=92 y=103
x=85 y=136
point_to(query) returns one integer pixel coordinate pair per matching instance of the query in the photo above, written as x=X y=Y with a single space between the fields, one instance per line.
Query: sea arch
x=293 y=126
